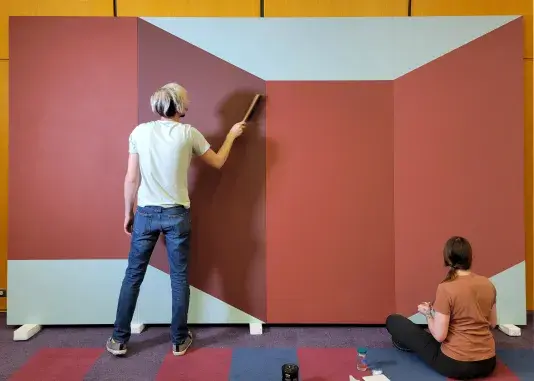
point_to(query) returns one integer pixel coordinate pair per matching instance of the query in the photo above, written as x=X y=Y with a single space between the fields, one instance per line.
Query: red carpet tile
x=198 y=365
x=58 y=364
x=330 y=364
x=502 y=373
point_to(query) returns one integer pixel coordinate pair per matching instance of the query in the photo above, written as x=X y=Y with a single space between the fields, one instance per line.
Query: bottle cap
x=362 y=351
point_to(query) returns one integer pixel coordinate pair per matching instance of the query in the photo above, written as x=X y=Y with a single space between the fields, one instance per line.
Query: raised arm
x=217 y=159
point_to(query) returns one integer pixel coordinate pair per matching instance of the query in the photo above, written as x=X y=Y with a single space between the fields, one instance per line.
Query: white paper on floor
x=353 y=379
x=380 y=377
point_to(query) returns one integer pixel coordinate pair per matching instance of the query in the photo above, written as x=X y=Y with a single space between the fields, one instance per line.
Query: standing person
x=459 y=344
x=160 y=153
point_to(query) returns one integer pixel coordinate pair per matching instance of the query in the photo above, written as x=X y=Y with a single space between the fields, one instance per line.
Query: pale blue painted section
x=155 y=304
x=69 y=292
x=511 y=297
x=360 y=48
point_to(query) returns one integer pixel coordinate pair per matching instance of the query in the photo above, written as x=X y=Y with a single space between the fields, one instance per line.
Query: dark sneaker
x=115 y=348
x=400 y=347
x=180 y=349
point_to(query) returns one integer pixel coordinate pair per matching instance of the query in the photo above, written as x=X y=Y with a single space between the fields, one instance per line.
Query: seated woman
x=460 y=344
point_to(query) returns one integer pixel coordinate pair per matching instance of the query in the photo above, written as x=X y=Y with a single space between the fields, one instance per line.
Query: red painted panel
x=199 y=365
x=73 y=103
x=228 y=206
x=330 y=202
x=459 y=162
x=58 y=364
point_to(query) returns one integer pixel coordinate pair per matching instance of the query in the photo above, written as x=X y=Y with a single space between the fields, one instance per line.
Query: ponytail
x=451 y=275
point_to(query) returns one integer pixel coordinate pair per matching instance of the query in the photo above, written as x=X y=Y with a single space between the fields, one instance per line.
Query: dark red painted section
x=58 y=364
x=330 y=249
x=73 y=103
x=228 y=206
x=459 y=162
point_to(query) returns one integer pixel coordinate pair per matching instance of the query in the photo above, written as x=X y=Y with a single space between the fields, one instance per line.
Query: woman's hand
x=424 y=308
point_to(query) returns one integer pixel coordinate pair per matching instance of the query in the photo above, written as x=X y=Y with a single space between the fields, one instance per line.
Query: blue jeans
x=149 y=222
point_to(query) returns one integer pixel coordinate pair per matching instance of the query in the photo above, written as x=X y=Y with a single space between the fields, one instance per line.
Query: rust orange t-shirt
x=468 y=300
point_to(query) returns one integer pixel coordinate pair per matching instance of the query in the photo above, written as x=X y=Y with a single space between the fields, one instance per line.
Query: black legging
x=413 y=337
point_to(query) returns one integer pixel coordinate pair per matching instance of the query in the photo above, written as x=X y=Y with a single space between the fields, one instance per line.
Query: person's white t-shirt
x=165 y=150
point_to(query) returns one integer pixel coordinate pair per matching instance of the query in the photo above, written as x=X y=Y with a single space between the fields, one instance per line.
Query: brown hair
x=457 y=255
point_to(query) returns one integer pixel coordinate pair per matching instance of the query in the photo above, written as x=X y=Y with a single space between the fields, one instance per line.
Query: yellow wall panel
x=4 y=75
x=4 y=26
x=60 y=7
x=335 y=8
x=479 y=7
x=529 y=182
x=189 y=8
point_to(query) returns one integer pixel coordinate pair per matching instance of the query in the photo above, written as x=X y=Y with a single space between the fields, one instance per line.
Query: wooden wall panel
x=335 y=8
x=4 y=75
x=188 y=8
x=479 y=7
x=529 y=183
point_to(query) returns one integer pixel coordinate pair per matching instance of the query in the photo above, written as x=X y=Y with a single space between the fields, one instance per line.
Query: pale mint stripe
x=359 y=48
x=85 y=292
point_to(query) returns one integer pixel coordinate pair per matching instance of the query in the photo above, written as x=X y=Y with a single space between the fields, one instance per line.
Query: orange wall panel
x=4 y=26
x=335 y=8
x=204 y=8
x=479 y=7
x=60 y=7
x=4 y=75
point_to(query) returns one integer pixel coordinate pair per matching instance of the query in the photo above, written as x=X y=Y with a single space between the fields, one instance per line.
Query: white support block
x=256 y=328
x=510 y=329
x=351 y=378
x=137 y=328
x=26 y=332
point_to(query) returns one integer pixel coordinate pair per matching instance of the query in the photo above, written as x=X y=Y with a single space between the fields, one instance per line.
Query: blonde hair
x=169 y=100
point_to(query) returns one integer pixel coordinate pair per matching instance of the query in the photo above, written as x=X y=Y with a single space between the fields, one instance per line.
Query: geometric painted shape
x=459 y=164
x=379 y=48
x=228 y=206
x=182 y=8
x=304 y=8
x=194 y=367
x=155 y=304
x=58 y=364
x=511 y=298
x=401 y=366
x=97 y=283
x=479 y=7
x=519 y=361
x=70 y=153
x=330 y=202
x=328 y=363
x=260 y=364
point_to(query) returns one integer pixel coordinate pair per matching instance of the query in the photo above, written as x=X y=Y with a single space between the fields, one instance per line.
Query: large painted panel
x=330 y=248
x=228 y=206
x=459 y=163
x=68 y=160
x=529 y=183
x=321 y=203
x=381 y=48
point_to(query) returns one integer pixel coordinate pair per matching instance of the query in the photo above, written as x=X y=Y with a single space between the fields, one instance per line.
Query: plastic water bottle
x=361 y=363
